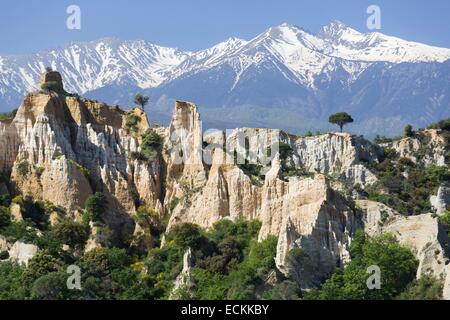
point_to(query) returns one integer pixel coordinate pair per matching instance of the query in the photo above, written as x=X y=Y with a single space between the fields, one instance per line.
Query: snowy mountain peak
x=296 y=54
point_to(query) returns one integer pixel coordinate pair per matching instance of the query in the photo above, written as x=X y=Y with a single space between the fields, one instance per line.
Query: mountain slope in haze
x=285 y=77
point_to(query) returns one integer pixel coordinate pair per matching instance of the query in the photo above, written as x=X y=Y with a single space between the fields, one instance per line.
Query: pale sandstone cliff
x=74 y=147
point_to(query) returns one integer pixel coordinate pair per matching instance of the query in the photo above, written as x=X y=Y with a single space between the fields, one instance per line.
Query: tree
x=408 y=131
x=48 y=69
x=141 y=100
x=71 y=233
x=397 y=264
x=96 y=206
x=341 y=119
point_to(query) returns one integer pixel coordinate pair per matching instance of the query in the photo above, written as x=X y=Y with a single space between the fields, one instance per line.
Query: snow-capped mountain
x=299 y=75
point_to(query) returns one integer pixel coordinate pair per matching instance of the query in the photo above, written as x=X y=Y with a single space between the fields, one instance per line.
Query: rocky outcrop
x=183 y=283
x=428 y=147
x=441 y=201
x=18 y=252
x=81 y=146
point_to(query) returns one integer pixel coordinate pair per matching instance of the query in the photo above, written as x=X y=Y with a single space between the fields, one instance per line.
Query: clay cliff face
x=62 y=149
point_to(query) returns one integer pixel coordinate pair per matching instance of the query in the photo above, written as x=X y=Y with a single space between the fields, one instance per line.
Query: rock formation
x=61 y=148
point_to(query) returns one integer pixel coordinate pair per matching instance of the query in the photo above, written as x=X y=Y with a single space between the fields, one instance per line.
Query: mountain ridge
x=303 y=65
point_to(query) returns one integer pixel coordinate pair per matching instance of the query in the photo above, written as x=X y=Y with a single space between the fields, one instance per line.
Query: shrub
x=443 y=125
x=132 y=121
x=397 y=264
x=40 y=265
x=426 y=288
x=52 y=286
x=5 y=217
x=8 y=115
x=151 y=145
x=96 y=206
x=186 y=235
x=408 y=131
x=4 y=255
x=71 y=233
x=173 y=203
x=23 y=168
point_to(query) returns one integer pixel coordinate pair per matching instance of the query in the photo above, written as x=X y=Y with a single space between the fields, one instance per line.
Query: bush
x=132 y=121
x=8 y=115
x=96 y=206
x=397 y=264
x=151 y=145
x=426 y=288
x=52 y=286
x=408 y=131
x=187 y=235
x=40 y=265
x=23 y=168
x=71 y=233
x=5 y=217
x=443 y=125
x=4 y=255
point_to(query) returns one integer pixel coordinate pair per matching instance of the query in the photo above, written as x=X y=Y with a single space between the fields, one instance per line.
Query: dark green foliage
x=426 y=288
x=99 y=262
x=132 y=121
x=380 y=140
x=241 y=282
x=445 y=221
x=397 y=264
x=188 y=235
x=71 y=233
x=4 y=255
x=173 y=204
x=410 y=194
x=96 y=206
x=5 y=200
x=11 y=284
x=40 y=265
x=141 y=100
x=5 y=217
x=408 y=131
x=286 y=290
x=23 y=168
x=228 y=257
x=151 y=146
x=341 y=119
x=8 y=115
x=52 y=286
x=443 y=125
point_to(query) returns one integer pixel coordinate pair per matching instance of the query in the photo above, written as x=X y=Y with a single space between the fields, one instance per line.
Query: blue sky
x=30 y=26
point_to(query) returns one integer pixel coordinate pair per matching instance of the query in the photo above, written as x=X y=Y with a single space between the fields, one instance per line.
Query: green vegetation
x=23 y=168
x=85 y=171
x=71 y=233
x=445 y=221
x=8 y=115
x=426 y=288
x=442 y=125
x=404 y=185
x=229 y=264
x=132 y=121
x=341 y=119
x=397 y=265
x=96 y=206
x=151 y=146
x=408 y=131
x=141 y=100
